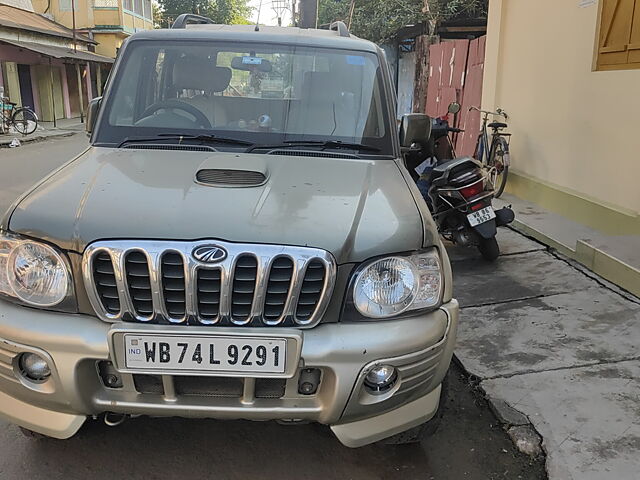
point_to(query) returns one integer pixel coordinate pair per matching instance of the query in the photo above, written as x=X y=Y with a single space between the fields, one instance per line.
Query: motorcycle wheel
x=489 y=248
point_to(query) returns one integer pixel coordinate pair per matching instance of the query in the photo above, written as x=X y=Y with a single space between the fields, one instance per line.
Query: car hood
x=353 y=208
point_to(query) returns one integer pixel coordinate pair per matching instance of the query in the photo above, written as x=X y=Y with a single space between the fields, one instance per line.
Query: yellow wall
x=107 y=17
x=83 y=12
x=134 y=23
x=108 y=43
x=573 y=128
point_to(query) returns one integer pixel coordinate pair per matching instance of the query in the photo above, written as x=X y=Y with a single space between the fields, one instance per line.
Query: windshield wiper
x=324 y=144
x=204 y=138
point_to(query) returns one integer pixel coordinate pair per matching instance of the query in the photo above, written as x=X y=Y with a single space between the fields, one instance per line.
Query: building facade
x=108 y=22
x=43 y=65
x=568 y=75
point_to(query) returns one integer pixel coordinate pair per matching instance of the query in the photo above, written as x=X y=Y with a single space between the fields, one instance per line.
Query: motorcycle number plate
x=481 y=216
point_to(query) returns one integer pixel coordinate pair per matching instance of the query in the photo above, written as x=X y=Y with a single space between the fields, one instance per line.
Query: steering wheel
x=173 y=104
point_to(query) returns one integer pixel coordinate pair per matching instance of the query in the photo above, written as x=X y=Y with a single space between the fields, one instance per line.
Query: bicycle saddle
x=497 y=125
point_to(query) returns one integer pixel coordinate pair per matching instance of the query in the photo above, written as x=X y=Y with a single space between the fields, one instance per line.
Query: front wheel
x=425 y=430
x=499 y=159
x=24 y=121
x=489 y=248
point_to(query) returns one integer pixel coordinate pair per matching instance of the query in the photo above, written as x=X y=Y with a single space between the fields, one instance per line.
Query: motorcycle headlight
x=32 y=272
x=393 y=285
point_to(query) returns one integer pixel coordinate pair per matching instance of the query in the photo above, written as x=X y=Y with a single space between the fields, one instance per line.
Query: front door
x=26 y=92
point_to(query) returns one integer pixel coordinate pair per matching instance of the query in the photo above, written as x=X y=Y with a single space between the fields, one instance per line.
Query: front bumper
x=420 y=347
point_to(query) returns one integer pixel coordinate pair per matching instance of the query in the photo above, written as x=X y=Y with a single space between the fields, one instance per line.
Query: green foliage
x=466 y=8
x=378 y=20
x=220 y=11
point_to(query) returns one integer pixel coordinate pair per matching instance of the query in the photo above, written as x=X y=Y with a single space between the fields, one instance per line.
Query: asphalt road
x=469 y=444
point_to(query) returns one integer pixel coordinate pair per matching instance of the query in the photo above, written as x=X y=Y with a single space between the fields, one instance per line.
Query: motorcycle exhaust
x=114 y=419
x=504 y=216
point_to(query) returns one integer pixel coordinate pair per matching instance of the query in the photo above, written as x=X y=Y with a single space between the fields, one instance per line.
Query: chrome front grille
x=253 y=284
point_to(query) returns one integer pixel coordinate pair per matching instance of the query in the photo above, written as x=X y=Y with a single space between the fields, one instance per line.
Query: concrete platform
x=515 y=277
x=567 y=330
x=560 y=346
x=589 y=418
x=615 y=257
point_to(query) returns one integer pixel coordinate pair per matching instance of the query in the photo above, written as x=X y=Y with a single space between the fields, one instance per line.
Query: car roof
x=265 y=34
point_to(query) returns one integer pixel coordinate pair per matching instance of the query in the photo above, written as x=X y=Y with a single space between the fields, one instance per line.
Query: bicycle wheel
x=499 y=159
x=24 y=121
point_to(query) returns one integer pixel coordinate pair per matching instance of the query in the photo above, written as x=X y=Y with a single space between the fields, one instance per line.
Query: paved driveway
x=560 y=345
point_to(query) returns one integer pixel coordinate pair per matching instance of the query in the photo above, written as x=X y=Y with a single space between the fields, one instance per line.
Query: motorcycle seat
x=497 y=125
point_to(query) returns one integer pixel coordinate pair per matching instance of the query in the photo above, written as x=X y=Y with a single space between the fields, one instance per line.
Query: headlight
x=394 y=285
x=32 y=272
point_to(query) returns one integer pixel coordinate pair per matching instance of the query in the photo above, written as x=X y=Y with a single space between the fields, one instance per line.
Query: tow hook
x=114 y=419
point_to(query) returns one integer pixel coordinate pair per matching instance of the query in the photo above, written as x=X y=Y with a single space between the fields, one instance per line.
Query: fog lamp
x=381 y=378
x=34 y=367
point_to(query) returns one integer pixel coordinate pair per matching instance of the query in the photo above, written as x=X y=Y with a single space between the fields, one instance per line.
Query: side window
x=619 y=40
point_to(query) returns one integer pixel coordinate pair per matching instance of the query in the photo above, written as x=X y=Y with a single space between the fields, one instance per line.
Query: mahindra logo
x=209 y=253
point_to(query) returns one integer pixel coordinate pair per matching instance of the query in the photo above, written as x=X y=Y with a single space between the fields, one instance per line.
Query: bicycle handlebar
x=499 y=112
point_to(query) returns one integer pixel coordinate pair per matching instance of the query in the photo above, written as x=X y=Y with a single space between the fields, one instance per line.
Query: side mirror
x=414 y=128
x=454 y=107
x=92 y=113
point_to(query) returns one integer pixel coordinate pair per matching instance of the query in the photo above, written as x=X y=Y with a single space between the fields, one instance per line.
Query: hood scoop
x=222 y=177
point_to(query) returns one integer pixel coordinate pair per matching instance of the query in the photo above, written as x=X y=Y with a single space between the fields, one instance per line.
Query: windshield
x=262 y=93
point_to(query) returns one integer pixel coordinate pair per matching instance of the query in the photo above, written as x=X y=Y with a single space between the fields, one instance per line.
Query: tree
x=378 y=20
x=220 y=11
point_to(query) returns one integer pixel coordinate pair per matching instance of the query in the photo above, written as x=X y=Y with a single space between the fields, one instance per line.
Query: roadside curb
x=38 y=138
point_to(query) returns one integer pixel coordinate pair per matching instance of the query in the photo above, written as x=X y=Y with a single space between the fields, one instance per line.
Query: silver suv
x=241 y=240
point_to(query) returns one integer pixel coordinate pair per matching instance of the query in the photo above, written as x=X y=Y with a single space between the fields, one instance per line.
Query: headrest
x=200 y=74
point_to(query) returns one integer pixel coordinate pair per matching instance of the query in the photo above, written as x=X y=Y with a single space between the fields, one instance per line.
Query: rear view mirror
x=454 y=107
x=415 y=128
x=92 y=113
x=250 y=63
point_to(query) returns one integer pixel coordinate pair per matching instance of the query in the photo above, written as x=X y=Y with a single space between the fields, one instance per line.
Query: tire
x=489 y=248
x=425 y=430
x=31 y=434
x=499 y=158
x=24 y=121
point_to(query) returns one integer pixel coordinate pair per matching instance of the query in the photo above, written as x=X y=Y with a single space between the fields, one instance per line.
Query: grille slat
x=174 y=289
x=105 y=282
x=278 y=288
x=244 y=285
x=308 y=301
x=139 y=282
x=208 y=288
x=251 y=284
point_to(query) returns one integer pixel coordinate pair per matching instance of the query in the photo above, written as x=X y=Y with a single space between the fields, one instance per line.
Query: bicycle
x=497 y=157
x=23 y=119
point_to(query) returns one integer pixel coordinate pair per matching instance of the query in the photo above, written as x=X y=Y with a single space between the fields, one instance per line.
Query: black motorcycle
x=459 y=193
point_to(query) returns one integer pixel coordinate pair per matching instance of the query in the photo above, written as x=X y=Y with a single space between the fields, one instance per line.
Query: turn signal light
x=472 y=190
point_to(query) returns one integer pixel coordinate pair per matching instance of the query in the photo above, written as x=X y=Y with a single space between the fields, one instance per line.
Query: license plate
x=205 y=353
x=481 y=216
